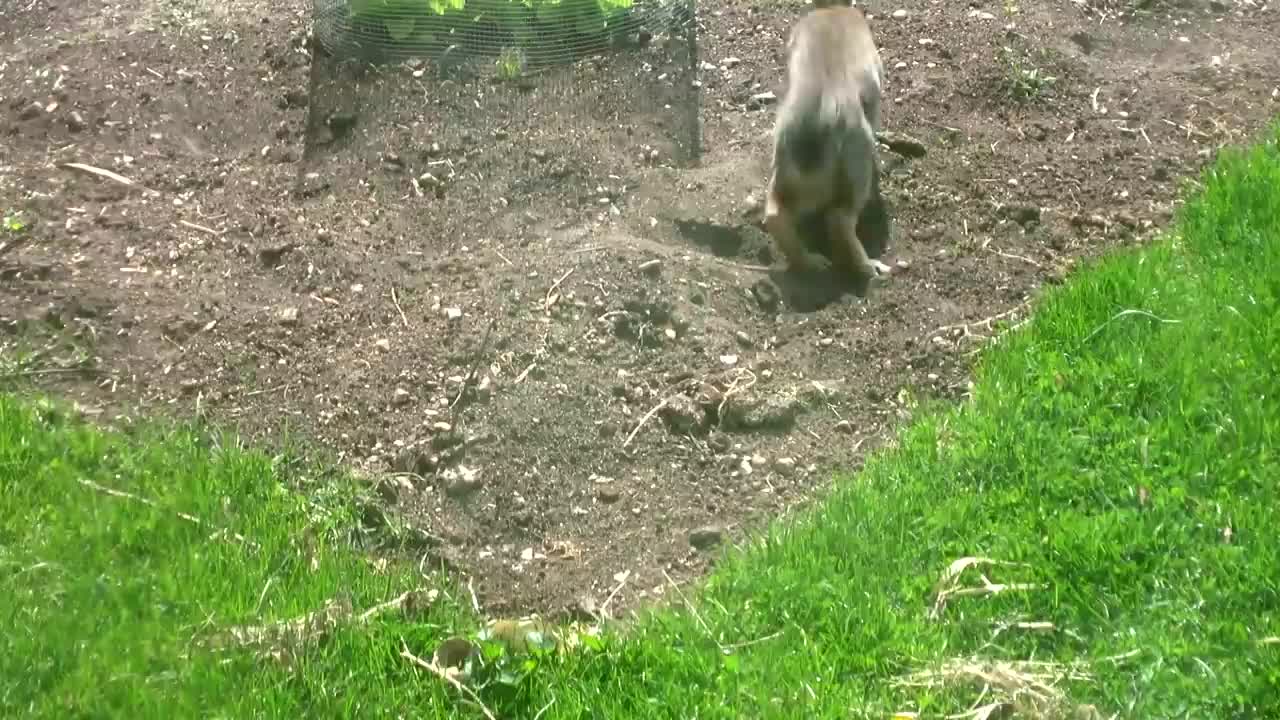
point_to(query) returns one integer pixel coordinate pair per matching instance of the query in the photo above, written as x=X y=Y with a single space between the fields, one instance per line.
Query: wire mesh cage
x=515 y=36
x=533 y=67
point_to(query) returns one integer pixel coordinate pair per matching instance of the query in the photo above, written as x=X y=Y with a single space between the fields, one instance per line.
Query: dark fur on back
x=810 y=139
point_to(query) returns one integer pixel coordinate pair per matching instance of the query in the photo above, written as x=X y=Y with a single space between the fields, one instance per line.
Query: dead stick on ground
x=431 y=667
x=546 y=302
x=757 y=641
x=604 y=608
x=266 y=391
x=395 y=603
x=647 y=416
x=545 y=708
x=475 y=602
x=985 y=321
x=115 y=177
x=696 y=615
x=1125 y=313
x=1011 y=256
x=137 y=498
x=475 y=364
x=395 y=300
x=734 y=388
x=201 y=228
x=45 y=371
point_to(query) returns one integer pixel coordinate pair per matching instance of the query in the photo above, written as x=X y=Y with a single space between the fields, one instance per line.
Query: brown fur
x=824 y=157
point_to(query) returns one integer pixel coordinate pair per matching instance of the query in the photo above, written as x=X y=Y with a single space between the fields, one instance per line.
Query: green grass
x=1106 y=450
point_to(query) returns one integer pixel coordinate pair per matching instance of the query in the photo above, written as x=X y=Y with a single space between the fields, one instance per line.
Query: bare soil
x=641 y=389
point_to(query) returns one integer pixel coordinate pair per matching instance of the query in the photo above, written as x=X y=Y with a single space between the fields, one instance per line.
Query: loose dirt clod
x=704 y=538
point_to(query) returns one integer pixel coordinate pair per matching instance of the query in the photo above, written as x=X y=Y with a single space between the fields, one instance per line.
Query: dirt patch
x=639 y=389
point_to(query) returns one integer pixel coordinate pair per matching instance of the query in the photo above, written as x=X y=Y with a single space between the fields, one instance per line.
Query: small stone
x=766 y=295
x=775 y=412
x=899 y=14
x=461 y=481
x=288 y=316
x=730 y=62
x=413 y=460
x=453 y=313
x=765 y=98
x=651 y=267
x=1084 y=40
x=904 y=145
x=76 y=123
x=400 y=397
x=382 y=344
x=1024 y=215
x=682 y=415
x=758 y=460
x=718 y=443
x=729 y=359
x=706 y=537
x=784 y=466
x=744 y=466
x=271 y=255
x=743 y=339
x=608 y=495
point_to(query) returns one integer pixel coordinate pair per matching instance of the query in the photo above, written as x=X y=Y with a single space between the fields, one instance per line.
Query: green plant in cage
x=400 y=17
x=510 y=63
x=13 y=223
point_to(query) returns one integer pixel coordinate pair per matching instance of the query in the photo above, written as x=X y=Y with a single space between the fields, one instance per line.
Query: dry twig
x=987 y=322
x=202 y=228
x=440 y=673
x=1024 y=687
x=278 y=640
x=150 y=503
x=647 y=417
x=34 y=372
x=395 y=300
x=948 y=586
x=475 y=364
x=552 y=296
x=1124 y=313
x=102 y=173
x=696 y=615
